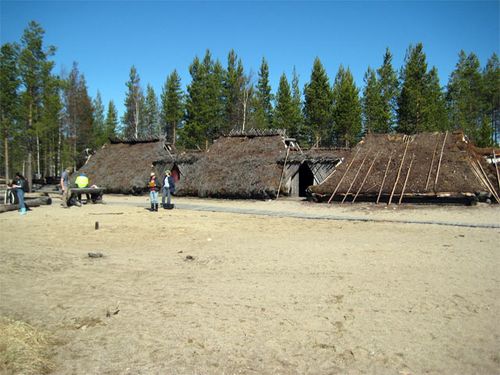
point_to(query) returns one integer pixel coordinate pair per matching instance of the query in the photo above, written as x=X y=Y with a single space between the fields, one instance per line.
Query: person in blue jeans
x=20 y=185
x=168 y=189
x=154 y=187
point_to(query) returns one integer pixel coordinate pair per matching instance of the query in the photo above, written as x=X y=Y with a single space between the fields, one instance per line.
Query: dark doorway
x=306 y=179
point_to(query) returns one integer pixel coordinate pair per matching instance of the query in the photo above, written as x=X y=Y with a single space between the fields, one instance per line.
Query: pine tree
x=412 y=101
x=388 y=85
x=150 y=114
x=318 y=105
x=134 y=105
x=34 y=67
x=491 y=79
x=284 y=105
x=346 y=110
x=234 y=82
x=464 y=96
x=374 y=120
x=172 y=107
x=111 y=123
x=436 y=114
x=263 y=97
x=99 y=125
x=296 y=117
x=9 y=98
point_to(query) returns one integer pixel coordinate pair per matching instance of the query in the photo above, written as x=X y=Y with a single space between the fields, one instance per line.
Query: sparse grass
x=24 y=349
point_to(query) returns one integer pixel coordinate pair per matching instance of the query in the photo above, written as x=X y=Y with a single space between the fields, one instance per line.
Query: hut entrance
x=306 y=179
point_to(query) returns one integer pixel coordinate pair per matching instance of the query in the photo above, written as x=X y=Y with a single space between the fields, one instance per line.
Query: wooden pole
x=406 y=180
x=383 y=180
x=399 y=172
x=355 y=177
x=342 y=178
x=366 y=176
x=282 y=172
x=440 y=158
x=493 y=191
x=432 y=164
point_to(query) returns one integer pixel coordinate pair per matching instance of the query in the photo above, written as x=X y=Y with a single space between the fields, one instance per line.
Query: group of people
x=167 y=187
x=81 y=181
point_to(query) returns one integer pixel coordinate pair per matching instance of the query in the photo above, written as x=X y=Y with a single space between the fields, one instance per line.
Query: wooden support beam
x=406 y=180
x=383 y=180
x=432 y=164
x=440 y=158
x=399 y=172
x=366 y=176
x=342 y=178
x=282 y=172
x=355 y=177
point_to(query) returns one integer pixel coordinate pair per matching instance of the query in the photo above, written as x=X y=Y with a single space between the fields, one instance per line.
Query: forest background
x=49 y=121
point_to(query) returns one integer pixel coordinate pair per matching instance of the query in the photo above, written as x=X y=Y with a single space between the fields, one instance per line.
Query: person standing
x=154 y=187
x=168 y=189
x=21 y=186
x=65 y=187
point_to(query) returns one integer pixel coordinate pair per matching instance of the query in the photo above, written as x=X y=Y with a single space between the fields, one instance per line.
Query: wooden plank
x=432 y=164
x=355 y=177
x=399 y=172
x=366 y=176
x=342 y=179
x=406 y=180
x=383 y=180
x=440 y=158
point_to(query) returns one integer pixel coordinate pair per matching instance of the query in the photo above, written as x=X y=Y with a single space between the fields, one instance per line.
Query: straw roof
x=124 y=166
x=426 y=164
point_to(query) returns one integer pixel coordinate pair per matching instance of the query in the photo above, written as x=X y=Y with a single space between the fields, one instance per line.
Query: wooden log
x=383 y=180
x=399 y=172
x=496 y=167
x=342 y=178
x=432 y=164
x=440 y=158
x=29 y=203
x=490 y=185
x=282 y=172
x=406 y=180
x=355 y=177
x=366 y=177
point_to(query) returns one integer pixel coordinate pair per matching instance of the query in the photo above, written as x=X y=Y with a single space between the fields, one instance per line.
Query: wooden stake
x=385 y=175
x=342 y=178
x=432 y=164
x=282 y=172
x=355 y=177
x=493 y=191
x=366 y=176
x=440 y=158
x=406 y=180
x=496 y=167
x=399 y=172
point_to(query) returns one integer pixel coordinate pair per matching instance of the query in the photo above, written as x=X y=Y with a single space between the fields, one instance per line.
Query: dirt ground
x=203 y=290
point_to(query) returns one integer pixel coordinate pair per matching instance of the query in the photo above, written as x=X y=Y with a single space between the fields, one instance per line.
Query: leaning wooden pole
x=399 y=172
x=355 y=177
x=366 y=177
x=496 y=167
x=432 y=164
x=282 y=172
x=383 y=179
x=406 y=180
x=440 y=159
x=343 y=176
x=493 y=191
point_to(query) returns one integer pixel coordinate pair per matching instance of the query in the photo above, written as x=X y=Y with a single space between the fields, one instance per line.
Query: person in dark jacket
x=154 y=187
x=20 y=185
x=167 y=190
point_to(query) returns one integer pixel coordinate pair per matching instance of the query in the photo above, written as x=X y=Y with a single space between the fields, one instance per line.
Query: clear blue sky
x=107 y=37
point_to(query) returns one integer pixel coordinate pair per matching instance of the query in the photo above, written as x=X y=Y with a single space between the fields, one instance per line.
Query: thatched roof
x=125 y=166
x=431 y=164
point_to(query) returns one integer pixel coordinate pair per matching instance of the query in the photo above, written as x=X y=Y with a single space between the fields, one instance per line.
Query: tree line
x=49 y=120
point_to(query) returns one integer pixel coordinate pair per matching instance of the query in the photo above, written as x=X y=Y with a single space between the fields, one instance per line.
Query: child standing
x=154 y=187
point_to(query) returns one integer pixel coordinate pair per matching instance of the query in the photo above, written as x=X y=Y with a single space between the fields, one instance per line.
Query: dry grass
x=24 y=349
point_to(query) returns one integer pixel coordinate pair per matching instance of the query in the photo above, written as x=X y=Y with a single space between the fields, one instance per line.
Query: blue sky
x=107 y=37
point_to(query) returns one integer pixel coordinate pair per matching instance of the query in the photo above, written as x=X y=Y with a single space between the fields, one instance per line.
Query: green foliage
x=150 y=114
x=491 y=95
x=346 y=110
x=111 y=123
x=263 y=116
x=99 y=121
x=318 y=105
x=388 y=85
x=284 y=104
x=134 y=105
x=374 y=119
x=172 y=106
x=234 y=86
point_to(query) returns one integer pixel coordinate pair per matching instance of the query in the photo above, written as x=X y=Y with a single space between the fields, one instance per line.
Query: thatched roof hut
x=124 y=166
x=394 y=168
x=248 y=165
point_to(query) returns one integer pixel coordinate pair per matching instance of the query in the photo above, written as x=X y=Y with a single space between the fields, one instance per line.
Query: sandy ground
x=264 y=293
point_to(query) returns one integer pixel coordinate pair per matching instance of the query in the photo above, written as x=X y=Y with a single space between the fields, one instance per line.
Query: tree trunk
x=29 y=203
x=6 y=156
x=29 y=167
